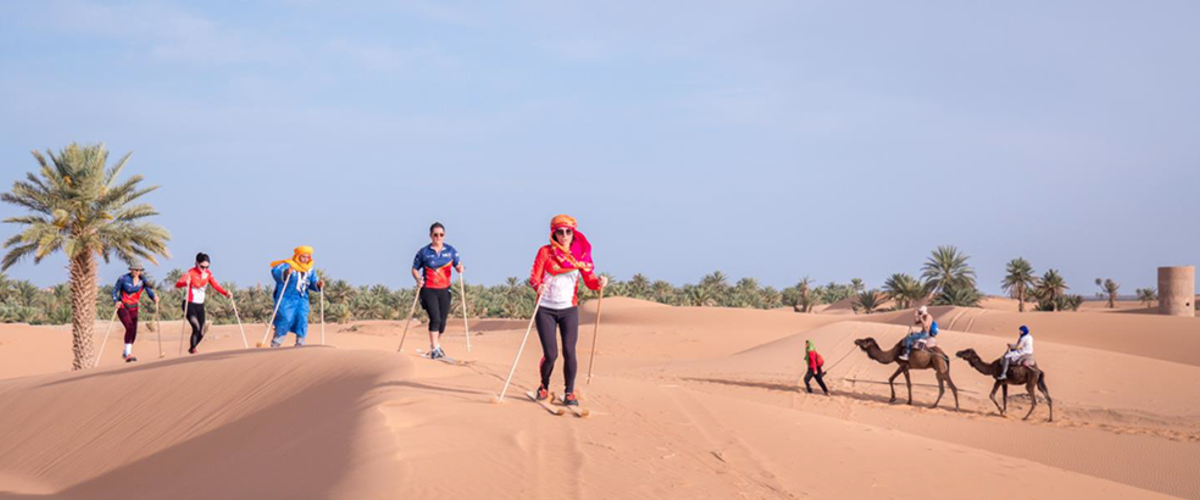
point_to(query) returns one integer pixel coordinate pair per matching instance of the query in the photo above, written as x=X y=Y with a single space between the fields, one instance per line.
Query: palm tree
x=1148 y=295
x=1050 y=290
x=639 y=286
x=1110 y=288
x=903 y=289
x=805 y=302
x=1019 y=280
x=857 y=285
x=867 y=301
x=76 y=205
x=947 y=267
x=958 y=295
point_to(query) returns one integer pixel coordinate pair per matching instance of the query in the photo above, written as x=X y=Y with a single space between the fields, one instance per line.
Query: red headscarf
x=579 y=256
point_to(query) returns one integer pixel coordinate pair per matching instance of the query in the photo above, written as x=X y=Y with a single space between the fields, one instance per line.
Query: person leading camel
x=816 y=365
x=1021 y=352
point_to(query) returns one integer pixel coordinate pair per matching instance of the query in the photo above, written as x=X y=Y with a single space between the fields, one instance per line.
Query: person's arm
x=184 y=279
x=457 y=261
x=149 y=290
x=539 y=268
x=277 y=273
x=116 y=292
x=591 y=279
x=217 y=286
x=312 y=283
x=418 y=266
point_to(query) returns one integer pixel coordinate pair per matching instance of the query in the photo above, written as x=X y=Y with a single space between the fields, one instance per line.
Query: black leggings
x=820 y=376
x=195 y=316
x=567 y=321
x=436 y=302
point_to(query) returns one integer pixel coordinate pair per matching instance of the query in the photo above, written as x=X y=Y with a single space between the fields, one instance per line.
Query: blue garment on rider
x=912 y=338
x=293 y=310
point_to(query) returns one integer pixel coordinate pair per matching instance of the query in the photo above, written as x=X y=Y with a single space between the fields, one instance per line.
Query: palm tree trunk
x=83 y=307
x=1021 y=299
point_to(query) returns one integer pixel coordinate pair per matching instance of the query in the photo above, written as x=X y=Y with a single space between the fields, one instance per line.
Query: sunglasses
x=438 y=235
x=204 y=266
x=565 y=231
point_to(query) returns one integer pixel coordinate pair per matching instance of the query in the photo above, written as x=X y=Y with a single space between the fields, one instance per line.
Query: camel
x=1027 y=376
x=918 y=359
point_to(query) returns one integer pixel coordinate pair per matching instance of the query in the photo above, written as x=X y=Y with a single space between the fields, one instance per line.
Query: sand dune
x=687 y=403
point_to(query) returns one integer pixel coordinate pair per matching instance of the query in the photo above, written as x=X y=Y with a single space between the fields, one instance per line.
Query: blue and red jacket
x=128 y=294
x=437 y=265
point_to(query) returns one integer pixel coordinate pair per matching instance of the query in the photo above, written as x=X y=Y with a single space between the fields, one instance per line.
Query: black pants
x=195 y=316
x=567 y=322
x=820 y=376
x=129 y=318
x=436 y=303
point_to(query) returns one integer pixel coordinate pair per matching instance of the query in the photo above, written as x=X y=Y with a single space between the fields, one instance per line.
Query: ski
x=447 y=359
x=579 y=411
x=546 y=406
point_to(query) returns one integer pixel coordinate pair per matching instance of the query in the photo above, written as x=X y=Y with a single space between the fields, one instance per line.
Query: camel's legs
x=1004 y=390
x=941 y=390
x=908 y=382
x=1046 y=391
x=995 y=389
x=892 y=385
x=953 y=389
x=1032 y=397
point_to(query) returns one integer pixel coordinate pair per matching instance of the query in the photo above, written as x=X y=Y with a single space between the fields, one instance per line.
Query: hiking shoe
x=570 y=399
x=542 y=394
x=193 y=350
x=437 y=353
x=904 y=357
x=131 y=358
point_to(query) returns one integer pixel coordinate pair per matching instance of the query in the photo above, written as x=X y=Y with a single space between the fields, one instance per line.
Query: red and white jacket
x=199 y=279
x=562 y=282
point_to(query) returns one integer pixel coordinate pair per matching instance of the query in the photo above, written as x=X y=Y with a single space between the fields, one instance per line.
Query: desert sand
x=685 y=403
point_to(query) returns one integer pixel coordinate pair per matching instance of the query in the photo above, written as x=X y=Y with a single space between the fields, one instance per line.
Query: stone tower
x=1177 y=291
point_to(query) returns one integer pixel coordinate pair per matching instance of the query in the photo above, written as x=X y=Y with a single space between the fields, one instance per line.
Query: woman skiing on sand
x=556 y=272
x=431 y=269
x=126 y=294
x=197 y=280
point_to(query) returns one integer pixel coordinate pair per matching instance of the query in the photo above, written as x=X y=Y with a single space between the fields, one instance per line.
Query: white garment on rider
x=1024 y=348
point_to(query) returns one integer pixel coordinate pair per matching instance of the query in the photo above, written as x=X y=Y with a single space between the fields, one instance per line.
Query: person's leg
x=429 y=303
x=1004 y=367
x=443 y=296
x=284 y=319
x=129 y=321
x=196 y=319
x=301 y=325
x=568 y=325
x=821 y=382
x=808 y=376
x=546 y=322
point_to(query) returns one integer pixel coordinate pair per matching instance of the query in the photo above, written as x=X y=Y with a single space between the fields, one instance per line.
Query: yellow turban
x=295 y=263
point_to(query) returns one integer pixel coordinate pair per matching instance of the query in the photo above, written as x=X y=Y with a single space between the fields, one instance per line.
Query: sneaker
x=542 y=394
x=130 y=358
x=904 y=357
x=570 y=399
x=437 y=353
x=192 y=350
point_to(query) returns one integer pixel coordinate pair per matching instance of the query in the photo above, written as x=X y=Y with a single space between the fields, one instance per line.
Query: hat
x=1024 y=330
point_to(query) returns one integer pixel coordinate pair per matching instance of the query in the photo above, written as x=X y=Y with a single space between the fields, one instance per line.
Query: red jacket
x=545 y=264
x=815 y=361
x=199 y=279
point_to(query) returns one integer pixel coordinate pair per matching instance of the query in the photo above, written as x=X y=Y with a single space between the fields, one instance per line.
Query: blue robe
x=293 y=310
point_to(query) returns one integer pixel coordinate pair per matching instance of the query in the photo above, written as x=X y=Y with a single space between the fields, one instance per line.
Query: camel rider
x=923 y=319
x=294 y=278
x=1020 y=353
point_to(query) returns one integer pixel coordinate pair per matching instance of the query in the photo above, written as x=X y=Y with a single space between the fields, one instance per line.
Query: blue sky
x=765 y=139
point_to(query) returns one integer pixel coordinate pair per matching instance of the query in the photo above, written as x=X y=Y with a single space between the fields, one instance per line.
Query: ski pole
x=513 y=370
x=158 y=322
x=106 y=332
x=322 y=315
x=187 y=295
x=245 y=343
x=411 y=311
x=595 y=335
x=462 y=290
x=276 y=311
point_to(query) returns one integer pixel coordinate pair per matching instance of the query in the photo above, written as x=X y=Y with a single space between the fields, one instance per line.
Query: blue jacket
x=437 y=265
x=128 y=293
